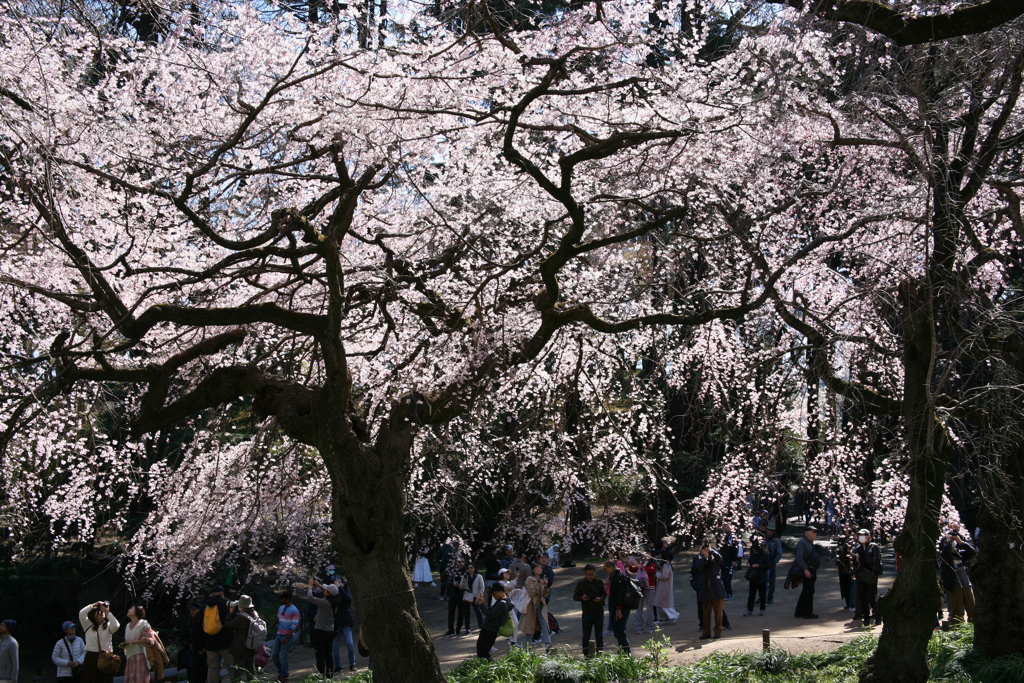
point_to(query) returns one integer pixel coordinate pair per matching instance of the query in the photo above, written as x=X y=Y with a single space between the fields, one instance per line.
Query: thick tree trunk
x=369 y=505
x=909 y=608
x=999 y=573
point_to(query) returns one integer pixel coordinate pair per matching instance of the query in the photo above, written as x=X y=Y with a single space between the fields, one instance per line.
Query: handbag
x=866 y=576
x=520 y=599
x=752 y=573
x=508 y=628
x=108 y=663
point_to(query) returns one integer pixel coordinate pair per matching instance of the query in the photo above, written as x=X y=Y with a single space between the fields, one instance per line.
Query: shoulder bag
x=108 y=663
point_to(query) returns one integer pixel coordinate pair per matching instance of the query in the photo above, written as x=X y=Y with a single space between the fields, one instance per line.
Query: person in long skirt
x=100 y=626
x=136 y=638
x=664 y=599
x=422 y=572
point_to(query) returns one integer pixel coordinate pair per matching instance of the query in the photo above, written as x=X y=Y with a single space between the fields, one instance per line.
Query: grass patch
x=951 y=657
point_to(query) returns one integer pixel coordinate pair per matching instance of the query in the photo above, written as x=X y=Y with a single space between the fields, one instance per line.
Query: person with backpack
x=250 y=634
x=217 y=638
x=100 y=626
x=323 y=630
x=343 y=624
x=619 y=587
x=288 y=618
x=536 y=615
x=497 y=616
x=68 y=655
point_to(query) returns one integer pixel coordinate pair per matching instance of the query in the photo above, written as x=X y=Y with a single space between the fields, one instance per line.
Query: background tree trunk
x=909 y=608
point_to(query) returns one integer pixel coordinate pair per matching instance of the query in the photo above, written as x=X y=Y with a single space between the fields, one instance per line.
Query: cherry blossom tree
x=355 y=247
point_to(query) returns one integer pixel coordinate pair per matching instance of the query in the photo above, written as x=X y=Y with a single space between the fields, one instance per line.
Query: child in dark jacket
x=495 y=615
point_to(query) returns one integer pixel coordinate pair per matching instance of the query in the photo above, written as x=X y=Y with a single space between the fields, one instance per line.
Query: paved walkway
x=834 y=627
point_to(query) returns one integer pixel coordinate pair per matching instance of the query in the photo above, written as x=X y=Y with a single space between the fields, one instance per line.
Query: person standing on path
x=9 y=657
x=100 y=626
x=536 y=615
x=323 y=629
x=240 y=621
x=617 y=586
x=136 y=638
x=731 y=552
x=216 y=637
x=496 y=611
x=844 y=564
x=708 y=568
x=955 y=551
x=68 y=654
x=757 y=575
x=343 y=623
x=456 y=573
x=773 y=546
x=591 y=595
x=867 y=566
x=808 y=561
x=664 y=598
x=288 y=617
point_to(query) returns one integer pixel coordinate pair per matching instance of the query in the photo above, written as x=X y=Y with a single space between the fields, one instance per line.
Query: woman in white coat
x=100 y=626
x=664 y=598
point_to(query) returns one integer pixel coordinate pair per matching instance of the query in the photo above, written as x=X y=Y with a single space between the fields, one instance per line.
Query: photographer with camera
x=955 y=554
x=100 y=626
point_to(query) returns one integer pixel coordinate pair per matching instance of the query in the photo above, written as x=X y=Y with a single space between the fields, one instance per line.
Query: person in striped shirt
x=288 y=617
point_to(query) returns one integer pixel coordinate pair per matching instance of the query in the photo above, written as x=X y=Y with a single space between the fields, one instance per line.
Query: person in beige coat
x=536 y=615
x=664 y=598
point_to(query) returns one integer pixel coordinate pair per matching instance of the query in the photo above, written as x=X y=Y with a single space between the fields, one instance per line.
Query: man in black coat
x=867 y=567
x=808 y=561
x=617 y=593
x=590 y=594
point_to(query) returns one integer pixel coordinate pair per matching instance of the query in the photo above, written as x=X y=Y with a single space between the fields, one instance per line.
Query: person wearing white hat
x=241 y=619
x=323 y=630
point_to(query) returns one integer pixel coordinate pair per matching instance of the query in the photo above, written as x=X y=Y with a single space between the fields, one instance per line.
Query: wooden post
x=766 y=639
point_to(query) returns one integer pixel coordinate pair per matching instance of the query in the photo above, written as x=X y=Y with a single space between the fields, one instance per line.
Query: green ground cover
x=951 y=656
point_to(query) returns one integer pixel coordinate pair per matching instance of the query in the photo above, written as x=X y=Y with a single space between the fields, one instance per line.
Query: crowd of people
x=509 y=599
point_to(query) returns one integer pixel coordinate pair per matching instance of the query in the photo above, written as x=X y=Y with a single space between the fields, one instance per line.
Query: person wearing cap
x=217 y=641
x=240 y=621
x=8 y=652
x=68 y=654
x=496 y=612
x=492 y=566
x=808 y=561
x=773 y=546
x=867 y=567
x=323 y=629
x=507 y=558
x=591 y=595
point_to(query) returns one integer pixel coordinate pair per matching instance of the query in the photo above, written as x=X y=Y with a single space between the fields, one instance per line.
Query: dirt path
x=834 y=627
